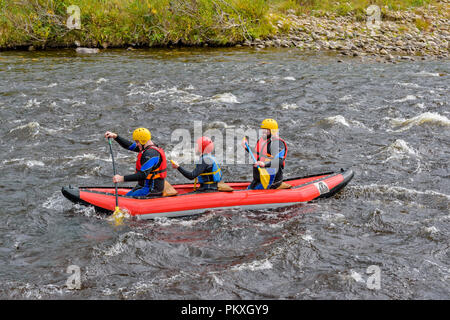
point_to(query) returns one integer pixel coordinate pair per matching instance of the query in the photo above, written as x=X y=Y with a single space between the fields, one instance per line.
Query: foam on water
x=346 y=97
x=55 y=202
x=409 y=85
x=226 y=97
x=34 y=291
x=307 y=237
x=333 y=217
x=32 y=103
x=356 y=276
x=399 y=149
x=123 y=244
x=101 y=80
x=190 y=98
x=289 y=106
x=144 y=90
x=432 y=118
x=428 y=74
x=254 y=265
x=32 y=163
x=115 y=249
x=342 y=121
x=431 y=230
x=420 y=105
x=407 y=98
x=32 y=127
x=337 y=120
x=395 y=191
x=182 y=96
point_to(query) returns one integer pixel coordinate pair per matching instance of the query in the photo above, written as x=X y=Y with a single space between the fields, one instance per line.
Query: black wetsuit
x=148 y=164
x=279 y=152
x=204 y=166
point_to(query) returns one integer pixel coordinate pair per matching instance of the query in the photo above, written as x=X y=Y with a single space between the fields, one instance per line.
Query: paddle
x=264 y=176
x=118 y=214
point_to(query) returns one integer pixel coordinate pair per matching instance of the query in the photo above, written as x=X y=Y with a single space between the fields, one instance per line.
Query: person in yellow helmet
x=151 y=164
x=270 y=152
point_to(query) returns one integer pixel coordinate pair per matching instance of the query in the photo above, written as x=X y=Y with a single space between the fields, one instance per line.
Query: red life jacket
x=261 y=149
x=161 y=171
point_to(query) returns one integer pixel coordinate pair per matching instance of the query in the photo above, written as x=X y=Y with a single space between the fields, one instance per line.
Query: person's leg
x=255 y=185
x=276 y=184
x=138 y=192
x=207 y=187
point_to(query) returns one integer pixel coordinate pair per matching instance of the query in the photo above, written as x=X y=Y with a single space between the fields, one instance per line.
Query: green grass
x=422 y=24
x=121 y=23
x=127 y=22
x=343 y=7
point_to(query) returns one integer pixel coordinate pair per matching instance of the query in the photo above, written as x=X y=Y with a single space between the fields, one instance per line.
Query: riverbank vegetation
x=342 y=8
x=144 y=23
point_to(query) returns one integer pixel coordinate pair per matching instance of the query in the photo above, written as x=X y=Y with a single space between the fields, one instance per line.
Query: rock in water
x=87 y=50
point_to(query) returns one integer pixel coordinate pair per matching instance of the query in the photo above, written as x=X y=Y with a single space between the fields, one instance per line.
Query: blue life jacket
x=210 y=177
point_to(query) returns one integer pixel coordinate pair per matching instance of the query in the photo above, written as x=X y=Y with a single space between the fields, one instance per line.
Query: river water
x=385 y=236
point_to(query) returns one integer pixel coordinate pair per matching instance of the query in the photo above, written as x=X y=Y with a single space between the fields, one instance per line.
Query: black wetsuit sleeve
x=124 y=143
x=191 y=175
x=150 y=160
x=135 y=177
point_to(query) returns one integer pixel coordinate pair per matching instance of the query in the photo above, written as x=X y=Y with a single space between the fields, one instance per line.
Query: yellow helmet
x=269 y=124
x=142 y=135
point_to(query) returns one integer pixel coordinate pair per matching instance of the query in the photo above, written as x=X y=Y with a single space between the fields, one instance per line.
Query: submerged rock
x=87 y=50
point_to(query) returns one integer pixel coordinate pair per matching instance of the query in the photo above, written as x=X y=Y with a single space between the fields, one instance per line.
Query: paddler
x=207 y=171
x=151 y=165
x=270 y=154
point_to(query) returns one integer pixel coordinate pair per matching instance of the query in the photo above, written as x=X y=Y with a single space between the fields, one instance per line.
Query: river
x=384 y=236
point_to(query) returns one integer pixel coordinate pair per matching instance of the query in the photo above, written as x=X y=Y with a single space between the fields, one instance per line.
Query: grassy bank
x=132 y=22
x=340 y=7
x=123 y=23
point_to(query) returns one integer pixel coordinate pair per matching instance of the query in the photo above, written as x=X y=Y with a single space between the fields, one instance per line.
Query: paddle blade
x=264 y=177
x=117 y=216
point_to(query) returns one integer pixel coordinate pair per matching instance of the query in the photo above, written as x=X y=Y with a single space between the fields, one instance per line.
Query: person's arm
x=149 y=160
x=124 y=143
x=280 y=155
x=246 y=149
x=191 y=175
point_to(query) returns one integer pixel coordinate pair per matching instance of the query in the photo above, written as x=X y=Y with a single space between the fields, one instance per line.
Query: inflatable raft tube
x=189 y=202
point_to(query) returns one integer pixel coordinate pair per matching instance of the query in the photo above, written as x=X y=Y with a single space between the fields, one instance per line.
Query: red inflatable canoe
x=188 y=202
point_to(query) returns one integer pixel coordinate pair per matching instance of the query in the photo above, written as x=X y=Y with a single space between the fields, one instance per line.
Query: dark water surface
x=389 y=122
